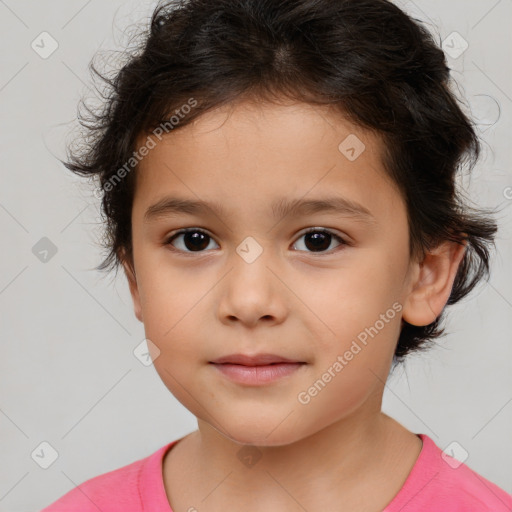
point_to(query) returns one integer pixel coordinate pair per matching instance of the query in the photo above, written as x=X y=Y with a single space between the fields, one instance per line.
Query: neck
x=347 y=461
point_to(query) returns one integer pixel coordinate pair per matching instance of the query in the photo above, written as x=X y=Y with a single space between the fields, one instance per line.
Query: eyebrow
x=171 y=206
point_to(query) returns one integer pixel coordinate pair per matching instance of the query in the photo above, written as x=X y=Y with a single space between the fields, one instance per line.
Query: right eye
x=194 y=240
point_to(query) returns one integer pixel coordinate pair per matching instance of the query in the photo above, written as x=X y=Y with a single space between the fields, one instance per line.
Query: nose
x=252 y=292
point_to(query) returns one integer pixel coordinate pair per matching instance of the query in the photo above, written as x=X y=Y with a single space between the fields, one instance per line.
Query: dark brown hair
x=379 y=67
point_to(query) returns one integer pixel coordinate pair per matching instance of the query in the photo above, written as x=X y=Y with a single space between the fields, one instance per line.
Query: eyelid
x=330 y=231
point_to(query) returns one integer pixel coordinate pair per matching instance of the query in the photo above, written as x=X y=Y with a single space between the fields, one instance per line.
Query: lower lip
x=256 y=375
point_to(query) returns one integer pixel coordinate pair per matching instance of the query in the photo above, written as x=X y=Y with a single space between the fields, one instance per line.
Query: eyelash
x=172 y=237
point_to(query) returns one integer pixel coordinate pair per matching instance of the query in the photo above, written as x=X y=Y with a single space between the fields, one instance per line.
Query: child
x=264 y=128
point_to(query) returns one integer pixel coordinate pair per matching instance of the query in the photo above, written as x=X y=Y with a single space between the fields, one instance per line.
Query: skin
x=291 y=301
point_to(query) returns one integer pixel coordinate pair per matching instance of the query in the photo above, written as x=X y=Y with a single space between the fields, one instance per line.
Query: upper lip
x=254 y=360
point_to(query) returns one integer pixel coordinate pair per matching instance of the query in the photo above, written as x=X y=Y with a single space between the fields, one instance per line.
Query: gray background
x=68 y=373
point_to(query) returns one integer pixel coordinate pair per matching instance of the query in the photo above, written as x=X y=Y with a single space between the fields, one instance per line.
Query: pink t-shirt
x=433 y=485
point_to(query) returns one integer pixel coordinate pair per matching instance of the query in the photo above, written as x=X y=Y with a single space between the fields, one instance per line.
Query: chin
x=264 y=435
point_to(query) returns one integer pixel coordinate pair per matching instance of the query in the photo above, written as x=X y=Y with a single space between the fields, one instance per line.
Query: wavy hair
x=381 y=68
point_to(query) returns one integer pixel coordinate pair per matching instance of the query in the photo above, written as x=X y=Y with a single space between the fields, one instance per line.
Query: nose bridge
x=251 y=260
x=250 y=250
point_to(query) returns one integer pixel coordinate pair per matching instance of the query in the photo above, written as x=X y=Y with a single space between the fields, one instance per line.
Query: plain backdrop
x=70 y=381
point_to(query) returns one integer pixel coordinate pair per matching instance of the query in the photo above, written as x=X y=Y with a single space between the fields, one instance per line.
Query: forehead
x=252 y=155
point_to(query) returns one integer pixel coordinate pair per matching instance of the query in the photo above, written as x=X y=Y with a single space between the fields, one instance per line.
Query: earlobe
x=433 y=283
x=134 y=288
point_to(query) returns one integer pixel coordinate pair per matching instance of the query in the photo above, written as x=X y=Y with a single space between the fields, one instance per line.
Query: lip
x=254 y=360
x=259 y=374
x=256 y=370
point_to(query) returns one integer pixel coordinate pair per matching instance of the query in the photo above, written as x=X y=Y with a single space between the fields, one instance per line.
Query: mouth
x=256 y=370
x=255 y=360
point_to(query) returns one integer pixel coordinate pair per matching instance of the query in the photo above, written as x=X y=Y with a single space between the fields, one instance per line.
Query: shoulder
x=440 y=482
x=118 y=490
x=472 y=490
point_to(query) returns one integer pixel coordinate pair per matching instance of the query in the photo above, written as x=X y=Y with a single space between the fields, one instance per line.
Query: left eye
x=318 y=239
x=197 y=240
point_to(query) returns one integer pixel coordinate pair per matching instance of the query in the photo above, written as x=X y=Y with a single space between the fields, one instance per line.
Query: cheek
x=335 y=394
x=170 y=299
x=359 y=306
x=180 y=352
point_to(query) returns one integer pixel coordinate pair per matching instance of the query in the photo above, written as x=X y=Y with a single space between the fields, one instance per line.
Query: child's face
x=293 y=300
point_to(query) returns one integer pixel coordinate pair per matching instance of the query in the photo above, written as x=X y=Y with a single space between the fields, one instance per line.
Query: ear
x=433 y=283
x=129 y=271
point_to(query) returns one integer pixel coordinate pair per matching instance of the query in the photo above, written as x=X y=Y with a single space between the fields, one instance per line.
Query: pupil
x=319 y=240
x=195 y=240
